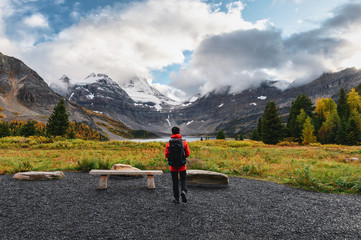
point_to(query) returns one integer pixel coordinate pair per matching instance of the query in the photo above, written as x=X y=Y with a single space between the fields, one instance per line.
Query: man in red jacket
x=181 y=170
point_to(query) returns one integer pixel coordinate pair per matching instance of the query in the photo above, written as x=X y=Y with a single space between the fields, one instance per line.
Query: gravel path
x=72 y=208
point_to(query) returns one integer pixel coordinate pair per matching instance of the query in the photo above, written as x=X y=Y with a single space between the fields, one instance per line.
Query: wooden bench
x=103 y=181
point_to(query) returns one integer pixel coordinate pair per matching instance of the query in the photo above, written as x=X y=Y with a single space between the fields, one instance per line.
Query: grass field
x=318 y=167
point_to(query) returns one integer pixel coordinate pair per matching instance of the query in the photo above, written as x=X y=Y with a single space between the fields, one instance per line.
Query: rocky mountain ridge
x=24 y=94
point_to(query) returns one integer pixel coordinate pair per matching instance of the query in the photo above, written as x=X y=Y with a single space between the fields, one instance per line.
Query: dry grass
x=318 y=167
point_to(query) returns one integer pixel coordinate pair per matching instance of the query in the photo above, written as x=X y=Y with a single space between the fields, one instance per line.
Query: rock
x=352 y=159
x=124 y=167
x=31 y=176
x=206 y=178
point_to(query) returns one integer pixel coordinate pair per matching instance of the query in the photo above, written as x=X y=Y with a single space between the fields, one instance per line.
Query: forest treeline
x=58 y=125
x=325 y=121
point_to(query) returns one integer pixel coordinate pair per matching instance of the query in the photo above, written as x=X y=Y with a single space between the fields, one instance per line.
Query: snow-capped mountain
x=140 y=106
x=143 y=93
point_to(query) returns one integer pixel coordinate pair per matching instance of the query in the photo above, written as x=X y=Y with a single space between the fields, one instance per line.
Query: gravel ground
x=72 y=208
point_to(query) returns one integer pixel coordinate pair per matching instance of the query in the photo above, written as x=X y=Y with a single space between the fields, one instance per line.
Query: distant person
x=177 y=151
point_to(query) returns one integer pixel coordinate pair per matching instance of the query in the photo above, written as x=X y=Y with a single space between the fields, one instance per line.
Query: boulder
x=31 y=176
x=124 y=167
x=206 y=178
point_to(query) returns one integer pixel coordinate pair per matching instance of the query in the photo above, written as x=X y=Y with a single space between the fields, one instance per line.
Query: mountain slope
x=234 y=112
x=24 y=94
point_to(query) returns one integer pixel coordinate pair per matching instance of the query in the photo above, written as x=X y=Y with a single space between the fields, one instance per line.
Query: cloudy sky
x=183 y=46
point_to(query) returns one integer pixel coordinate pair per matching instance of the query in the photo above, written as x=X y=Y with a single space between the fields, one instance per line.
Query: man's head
x=175 y=130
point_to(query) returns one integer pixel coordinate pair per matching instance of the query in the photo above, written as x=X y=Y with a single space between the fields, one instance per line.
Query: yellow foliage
x=325 y=106
x=354 y=100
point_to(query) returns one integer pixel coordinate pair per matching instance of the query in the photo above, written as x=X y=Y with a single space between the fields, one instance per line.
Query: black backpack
x=176 y=150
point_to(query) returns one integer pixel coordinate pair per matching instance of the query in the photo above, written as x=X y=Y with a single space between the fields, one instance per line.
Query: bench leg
x=103 y=182
x=150 y=182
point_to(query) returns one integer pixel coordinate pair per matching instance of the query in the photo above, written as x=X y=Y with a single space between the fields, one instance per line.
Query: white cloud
x=36 y=20
x=243 y=58
x=132 y=41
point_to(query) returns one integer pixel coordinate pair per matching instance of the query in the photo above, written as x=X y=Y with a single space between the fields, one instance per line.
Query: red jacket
x=187 y=152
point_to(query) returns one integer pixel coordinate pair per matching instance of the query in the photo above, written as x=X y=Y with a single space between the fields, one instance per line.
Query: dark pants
x=183 y=180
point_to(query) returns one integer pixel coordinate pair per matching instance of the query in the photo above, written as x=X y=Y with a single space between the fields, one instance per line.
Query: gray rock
x=31 y=176
x=206 y=178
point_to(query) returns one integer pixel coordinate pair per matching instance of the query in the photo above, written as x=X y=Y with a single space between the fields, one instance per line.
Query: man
x=176 y=151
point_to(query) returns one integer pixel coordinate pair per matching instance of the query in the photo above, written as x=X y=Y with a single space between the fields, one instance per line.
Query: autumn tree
x=354 y=101
x=329 y=129
x=308 y=132
x=272 y=127
x=301 y=102
x=58 y=122
x=1 y=115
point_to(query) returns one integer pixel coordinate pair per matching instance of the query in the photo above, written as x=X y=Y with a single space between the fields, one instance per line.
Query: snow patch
x=262 y=97
x=189 y=122
x=89 y=96
x=167 y=119
x=71 y=96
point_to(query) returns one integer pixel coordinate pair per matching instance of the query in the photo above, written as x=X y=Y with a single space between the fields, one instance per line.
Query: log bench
x=103 y=181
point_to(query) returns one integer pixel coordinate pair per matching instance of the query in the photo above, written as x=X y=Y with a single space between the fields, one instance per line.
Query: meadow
x=322 y=168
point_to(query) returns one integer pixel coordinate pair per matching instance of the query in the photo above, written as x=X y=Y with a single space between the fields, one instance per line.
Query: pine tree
x=307 y=132
x=341 y=136
x=343 y=108
x=259 y=129
x=28 y=129
x=4 y=129
x=272 y=127
x=353 y=133
x=301 y=102
x=240 y=134
x=220 y=135
x=58 y=122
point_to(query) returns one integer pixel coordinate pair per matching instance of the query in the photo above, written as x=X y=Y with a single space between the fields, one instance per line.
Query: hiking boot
x=183 y=195
x=176 y=201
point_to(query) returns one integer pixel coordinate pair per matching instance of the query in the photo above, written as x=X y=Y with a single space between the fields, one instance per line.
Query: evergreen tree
x=343 y=108
x=58 y=122
x=307 y=132
x=4 y=129
x=272 y=128
x=28 y=129
x=353 y=133
x=240 y=134
x=220 y=135
x=259 y=129
x=254 y=135
x=341 y=136
x=301 y=102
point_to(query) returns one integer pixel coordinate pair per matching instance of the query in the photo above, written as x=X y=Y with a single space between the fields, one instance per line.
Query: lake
x=166 y=139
